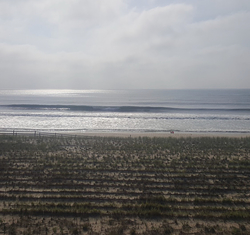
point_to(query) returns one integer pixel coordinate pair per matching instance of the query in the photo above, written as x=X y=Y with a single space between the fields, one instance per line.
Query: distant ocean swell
x=175 y=117
x=129 y=109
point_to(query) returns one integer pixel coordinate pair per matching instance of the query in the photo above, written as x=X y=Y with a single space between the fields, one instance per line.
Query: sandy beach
x=131 y=134
x=164 y=134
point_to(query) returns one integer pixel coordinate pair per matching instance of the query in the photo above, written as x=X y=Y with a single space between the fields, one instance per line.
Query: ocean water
x=125 y=110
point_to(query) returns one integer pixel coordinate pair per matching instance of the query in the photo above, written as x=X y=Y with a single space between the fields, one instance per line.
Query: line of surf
x=88 y=108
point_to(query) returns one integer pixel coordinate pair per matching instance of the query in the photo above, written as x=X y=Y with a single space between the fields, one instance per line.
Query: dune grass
x=111 y=185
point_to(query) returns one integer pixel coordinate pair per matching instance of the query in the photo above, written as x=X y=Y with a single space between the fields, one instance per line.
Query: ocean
x=125 y=110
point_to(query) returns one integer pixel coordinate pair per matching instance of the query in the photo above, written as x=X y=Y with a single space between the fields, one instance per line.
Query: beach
x=163 y=134
x=129 y=134
x=125 y=183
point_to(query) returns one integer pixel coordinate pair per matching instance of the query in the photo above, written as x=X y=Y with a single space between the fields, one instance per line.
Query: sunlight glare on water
x=126 y=110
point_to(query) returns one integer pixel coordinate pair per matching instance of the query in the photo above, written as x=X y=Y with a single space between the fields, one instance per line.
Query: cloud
x=58 y=11
x=54 y=23
x=26 y=67
x=180 y=53
x=113 y=44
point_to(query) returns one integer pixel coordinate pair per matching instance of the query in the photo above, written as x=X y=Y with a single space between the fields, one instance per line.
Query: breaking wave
x=125 y=109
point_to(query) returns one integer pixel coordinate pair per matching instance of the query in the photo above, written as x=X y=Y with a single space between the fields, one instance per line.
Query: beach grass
x=124 y=185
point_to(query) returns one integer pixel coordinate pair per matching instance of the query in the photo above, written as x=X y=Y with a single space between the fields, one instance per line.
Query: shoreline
x=130 y=134
x=163 y=134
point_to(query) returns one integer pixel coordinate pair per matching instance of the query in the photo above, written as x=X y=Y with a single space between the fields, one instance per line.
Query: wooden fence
x=35 y=133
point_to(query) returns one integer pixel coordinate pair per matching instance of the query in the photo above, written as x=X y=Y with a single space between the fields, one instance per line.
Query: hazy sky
x=109 y=44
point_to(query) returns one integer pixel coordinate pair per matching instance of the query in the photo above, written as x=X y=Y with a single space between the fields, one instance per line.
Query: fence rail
x=36 y=133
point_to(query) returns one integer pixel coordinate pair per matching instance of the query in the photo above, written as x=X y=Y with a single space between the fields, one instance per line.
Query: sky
x=124 y=44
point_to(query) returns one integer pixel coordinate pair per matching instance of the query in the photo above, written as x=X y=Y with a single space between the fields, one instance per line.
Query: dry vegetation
x=105 y=185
